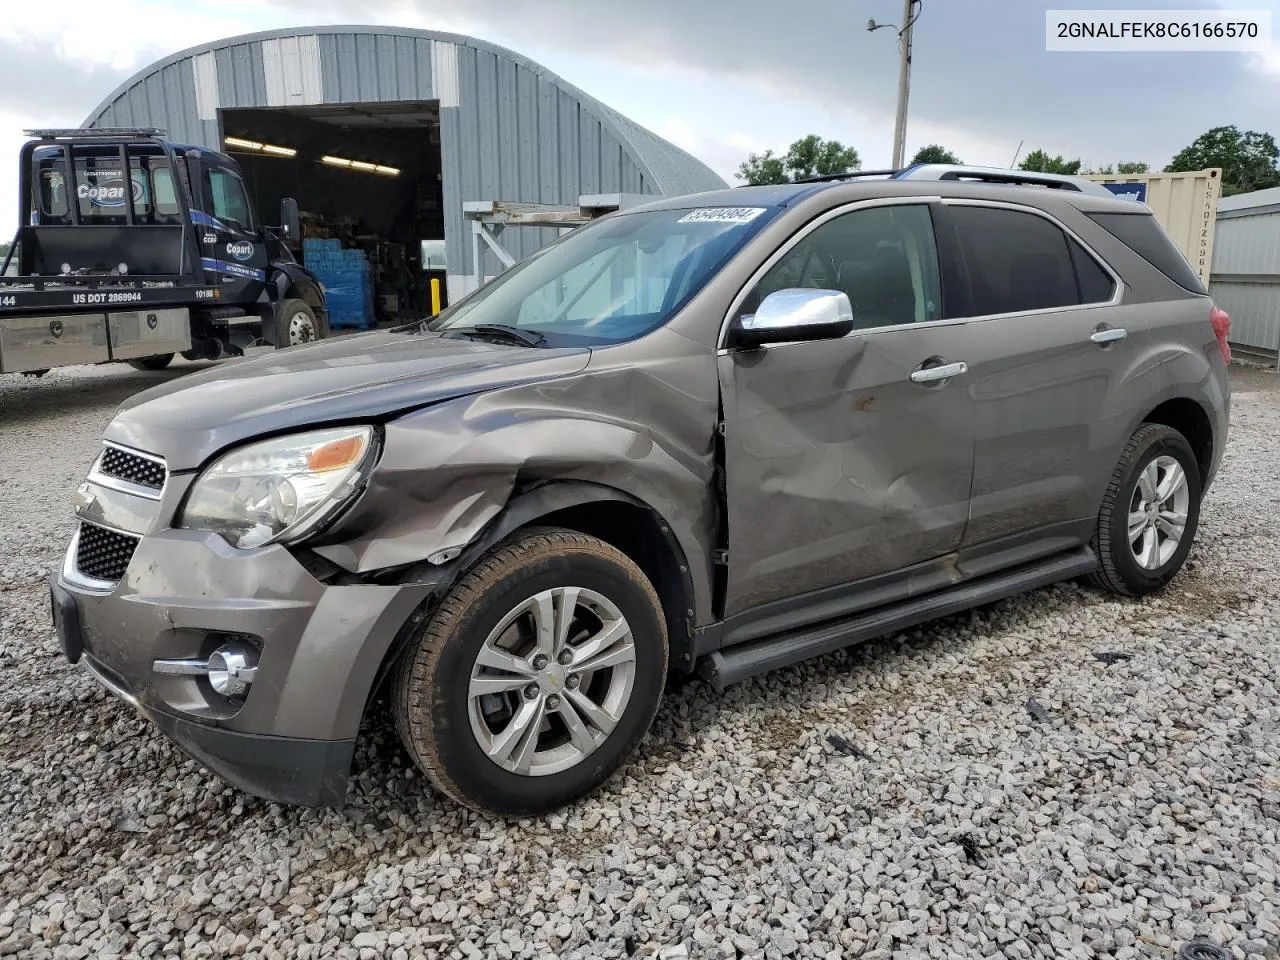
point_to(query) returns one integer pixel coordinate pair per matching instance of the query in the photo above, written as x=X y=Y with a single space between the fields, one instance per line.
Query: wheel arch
x=290 y=281
x=1192 y=420
x=614 y=516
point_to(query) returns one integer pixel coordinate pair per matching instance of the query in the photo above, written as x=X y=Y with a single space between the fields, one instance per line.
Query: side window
x=1096 y=285
x=884 y=259
x=227 y=197
x=1017 y=261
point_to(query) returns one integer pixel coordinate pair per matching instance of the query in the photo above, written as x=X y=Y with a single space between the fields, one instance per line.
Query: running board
x=731 y=665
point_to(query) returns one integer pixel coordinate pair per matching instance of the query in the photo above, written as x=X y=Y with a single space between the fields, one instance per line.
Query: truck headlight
x=278 y=491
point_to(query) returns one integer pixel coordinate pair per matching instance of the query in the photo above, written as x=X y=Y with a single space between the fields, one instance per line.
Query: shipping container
x=1185 y=204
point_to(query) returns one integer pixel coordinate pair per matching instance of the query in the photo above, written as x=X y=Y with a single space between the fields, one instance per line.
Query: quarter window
x=883 y=258
x=1022 y=261
x=1096 y=285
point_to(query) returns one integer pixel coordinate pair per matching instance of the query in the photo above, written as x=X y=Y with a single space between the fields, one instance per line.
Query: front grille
x=132 y=467
x=103 y=554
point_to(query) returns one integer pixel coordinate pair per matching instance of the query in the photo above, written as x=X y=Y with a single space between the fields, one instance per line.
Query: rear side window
x=1141 y=234
x=1017 y=261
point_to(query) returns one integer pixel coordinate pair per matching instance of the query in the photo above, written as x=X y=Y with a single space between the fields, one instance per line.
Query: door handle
x=1109 y=335
x=943 y=371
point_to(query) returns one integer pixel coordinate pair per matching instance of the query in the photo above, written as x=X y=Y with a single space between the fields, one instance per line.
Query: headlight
x=282 y=489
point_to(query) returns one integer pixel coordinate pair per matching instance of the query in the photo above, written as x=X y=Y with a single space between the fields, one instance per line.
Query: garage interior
x=367 y=178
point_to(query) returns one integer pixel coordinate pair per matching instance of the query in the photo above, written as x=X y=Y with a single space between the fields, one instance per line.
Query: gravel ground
x=1139 y=810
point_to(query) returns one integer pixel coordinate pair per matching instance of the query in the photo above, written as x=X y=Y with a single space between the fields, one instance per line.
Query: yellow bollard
x=435 y=295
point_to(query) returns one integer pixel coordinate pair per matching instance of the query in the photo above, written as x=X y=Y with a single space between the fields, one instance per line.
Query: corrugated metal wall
x=510 y=130
x=1246 y=275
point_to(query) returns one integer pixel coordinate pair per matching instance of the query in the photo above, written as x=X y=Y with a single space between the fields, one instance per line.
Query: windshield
x=611 y=281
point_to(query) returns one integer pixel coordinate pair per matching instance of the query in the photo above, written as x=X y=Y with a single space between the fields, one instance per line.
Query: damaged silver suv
x=720 y=433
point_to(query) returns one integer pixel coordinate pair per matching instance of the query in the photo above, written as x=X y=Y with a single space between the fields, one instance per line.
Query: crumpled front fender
x=447 y=473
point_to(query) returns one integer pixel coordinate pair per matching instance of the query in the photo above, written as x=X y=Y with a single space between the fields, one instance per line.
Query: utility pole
x=910 y=13
x=904 y=83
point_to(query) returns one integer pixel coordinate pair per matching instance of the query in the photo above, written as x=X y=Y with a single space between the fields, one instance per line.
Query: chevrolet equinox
x=719 y=434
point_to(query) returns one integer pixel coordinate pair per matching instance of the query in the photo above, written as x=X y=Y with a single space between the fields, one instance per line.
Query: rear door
x=232 y=247
x=1053 y=366
x=846 y=458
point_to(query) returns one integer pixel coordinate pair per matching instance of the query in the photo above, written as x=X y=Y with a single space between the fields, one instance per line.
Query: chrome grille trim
x=130 y=471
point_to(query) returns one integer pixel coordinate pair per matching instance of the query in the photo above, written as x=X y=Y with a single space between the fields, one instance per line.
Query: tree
x=808 y=157
x=1248 y=160
x=760 y=168
x=935 y=153
x=1041 y=162
x=1127 y=168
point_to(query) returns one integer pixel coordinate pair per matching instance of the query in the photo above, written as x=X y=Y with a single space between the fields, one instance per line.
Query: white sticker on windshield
x=722 y=215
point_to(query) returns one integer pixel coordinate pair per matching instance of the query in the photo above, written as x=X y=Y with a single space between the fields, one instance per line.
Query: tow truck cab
x=123 y=218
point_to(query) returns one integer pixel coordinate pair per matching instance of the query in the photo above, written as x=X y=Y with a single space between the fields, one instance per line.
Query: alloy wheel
x=551 y=681
x=1158 y=512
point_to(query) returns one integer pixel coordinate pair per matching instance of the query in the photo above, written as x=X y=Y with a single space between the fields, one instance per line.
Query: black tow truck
x=132 y=248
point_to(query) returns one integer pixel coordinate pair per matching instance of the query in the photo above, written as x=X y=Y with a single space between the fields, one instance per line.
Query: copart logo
x=241 y=249
x=108 y=193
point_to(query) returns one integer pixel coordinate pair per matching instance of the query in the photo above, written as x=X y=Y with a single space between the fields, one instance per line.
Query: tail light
x=1221 y=321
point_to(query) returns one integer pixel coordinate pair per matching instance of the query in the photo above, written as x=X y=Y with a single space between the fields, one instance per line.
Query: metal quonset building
x=450 y=120
x=1246 y=268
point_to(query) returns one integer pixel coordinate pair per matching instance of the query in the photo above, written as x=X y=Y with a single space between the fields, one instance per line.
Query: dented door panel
x=839 y=466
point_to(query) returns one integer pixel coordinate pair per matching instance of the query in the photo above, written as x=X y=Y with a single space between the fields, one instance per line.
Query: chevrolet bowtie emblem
x=82 y=498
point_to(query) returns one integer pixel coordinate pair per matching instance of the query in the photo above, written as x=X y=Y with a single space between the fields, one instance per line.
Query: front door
x=233 y=251
x=1052 y=368
x=840 y=465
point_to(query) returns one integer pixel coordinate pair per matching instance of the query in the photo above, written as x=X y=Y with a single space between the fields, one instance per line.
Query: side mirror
x=290 y=223
x=790 y=315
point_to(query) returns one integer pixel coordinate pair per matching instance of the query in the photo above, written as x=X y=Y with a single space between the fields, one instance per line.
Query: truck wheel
x=296 y=324
x=536 y=677
x=1149 y=513
x=158 y=362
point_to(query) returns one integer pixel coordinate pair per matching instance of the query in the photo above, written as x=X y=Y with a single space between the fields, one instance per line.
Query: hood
x=369 y=376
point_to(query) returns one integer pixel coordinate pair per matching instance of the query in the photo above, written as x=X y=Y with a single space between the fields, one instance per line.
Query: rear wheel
x=1150 y=512
x=536 y=677
x=158 y=362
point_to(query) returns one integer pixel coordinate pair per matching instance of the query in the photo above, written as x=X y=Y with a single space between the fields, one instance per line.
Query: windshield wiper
x=526 y=338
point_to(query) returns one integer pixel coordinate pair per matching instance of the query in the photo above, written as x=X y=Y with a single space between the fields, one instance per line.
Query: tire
x=296 y=323
x=158 y=362
x=1120 y=568
x=431 y=691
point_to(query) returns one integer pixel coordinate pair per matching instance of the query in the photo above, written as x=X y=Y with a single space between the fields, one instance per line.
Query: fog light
x=231 y=671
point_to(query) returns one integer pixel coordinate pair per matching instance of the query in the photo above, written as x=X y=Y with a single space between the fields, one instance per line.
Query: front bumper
x=292 y=736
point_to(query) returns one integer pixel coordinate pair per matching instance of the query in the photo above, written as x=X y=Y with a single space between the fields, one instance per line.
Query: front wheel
x=536 y=677
x=1150 y=513
x=296 y=324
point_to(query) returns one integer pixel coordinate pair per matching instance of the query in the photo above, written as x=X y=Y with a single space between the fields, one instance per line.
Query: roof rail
x=829 y=177
x=96 y=133
x=950 y=171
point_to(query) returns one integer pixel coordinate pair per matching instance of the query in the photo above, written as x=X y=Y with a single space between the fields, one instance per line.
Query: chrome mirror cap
x=796 y=314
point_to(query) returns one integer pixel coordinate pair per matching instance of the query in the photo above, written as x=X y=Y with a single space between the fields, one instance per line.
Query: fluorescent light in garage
x=258 y=147
x=362 y=165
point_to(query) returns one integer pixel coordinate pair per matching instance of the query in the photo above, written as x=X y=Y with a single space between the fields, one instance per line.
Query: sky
x=720 y=78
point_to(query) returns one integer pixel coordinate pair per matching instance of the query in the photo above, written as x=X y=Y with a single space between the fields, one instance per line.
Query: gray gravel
x=1140 y=810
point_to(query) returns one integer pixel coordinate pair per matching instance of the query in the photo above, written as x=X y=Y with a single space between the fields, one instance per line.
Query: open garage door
x=367 y=178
